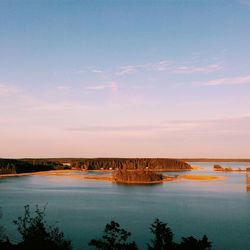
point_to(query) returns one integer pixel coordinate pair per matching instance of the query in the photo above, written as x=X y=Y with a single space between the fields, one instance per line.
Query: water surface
x=81 y=208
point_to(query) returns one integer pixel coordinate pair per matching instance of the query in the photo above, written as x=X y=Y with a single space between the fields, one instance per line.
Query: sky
x=127 y=78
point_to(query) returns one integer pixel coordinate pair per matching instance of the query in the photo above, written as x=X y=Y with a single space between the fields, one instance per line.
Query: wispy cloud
x=126 y=70
x=197 y=69
x=6 y=90
x=114 y=128
x=131 y=69
x=169 y=67
x=107 y=86
x=97 y=71
x=229 y=81
x=88 y=70
x=226 y=125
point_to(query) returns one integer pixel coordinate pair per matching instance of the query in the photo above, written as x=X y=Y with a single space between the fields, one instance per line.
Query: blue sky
x=125 y=78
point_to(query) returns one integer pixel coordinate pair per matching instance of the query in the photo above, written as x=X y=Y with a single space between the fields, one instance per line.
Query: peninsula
x=14 y=166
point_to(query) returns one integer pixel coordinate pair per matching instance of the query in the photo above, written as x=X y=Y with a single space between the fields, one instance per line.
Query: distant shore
x=60 y=172
x=225 y=170
x=213 y=160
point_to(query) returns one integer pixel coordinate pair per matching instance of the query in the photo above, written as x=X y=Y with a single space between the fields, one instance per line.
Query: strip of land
x=196 y=167
x=233 y=170
x=201 y=177
x=46 y=173
x=219 y=168
x=109 y=178
x=213 y=160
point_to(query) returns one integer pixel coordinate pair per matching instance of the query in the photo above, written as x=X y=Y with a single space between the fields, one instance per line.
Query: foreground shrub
x=194 y=244
x=114 y=238
x=163 y=236
x=36 y=234
x=163 y=239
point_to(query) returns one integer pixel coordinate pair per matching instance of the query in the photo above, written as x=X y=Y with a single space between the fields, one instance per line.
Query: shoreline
x=54 y=172
x=68 y=173
x=50 y=172
x=213 y=160
x=244 y=171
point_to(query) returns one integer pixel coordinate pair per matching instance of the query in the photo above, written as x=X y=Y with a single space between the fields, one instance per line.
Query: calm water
x=220 y=209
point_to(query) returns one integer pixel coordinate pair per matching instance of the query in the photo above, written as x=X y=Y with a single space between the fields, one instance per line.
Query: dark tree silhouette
x=36 y=234
x=194 y=244
x=114 y=238
x=163 y=239
x=163 y=236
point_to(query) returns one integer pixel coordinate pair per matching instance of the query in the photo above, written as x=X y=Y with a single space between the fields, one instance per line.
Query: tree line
x=37 y=234
x=13 y=166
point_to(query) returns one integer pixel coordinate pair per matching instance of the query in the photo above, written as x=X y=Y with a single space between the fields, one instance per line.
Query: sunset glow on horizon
x=125 y=79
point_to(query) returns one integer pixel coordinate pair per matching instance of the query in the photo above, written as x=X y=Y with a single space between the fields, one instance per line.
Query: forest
x=15 y=166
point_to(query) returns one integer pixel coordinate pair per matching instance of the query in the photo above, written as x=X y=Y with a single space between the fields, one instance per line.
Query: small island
x=139 y=176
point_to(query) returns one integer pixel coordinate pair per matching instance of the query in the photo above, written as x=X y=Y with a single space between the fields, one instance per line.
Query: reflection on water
x=219 y=209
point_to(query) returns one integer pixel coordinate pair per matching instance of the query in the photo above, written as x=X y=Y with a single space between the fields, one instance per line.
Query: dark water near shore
x=220 y=209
